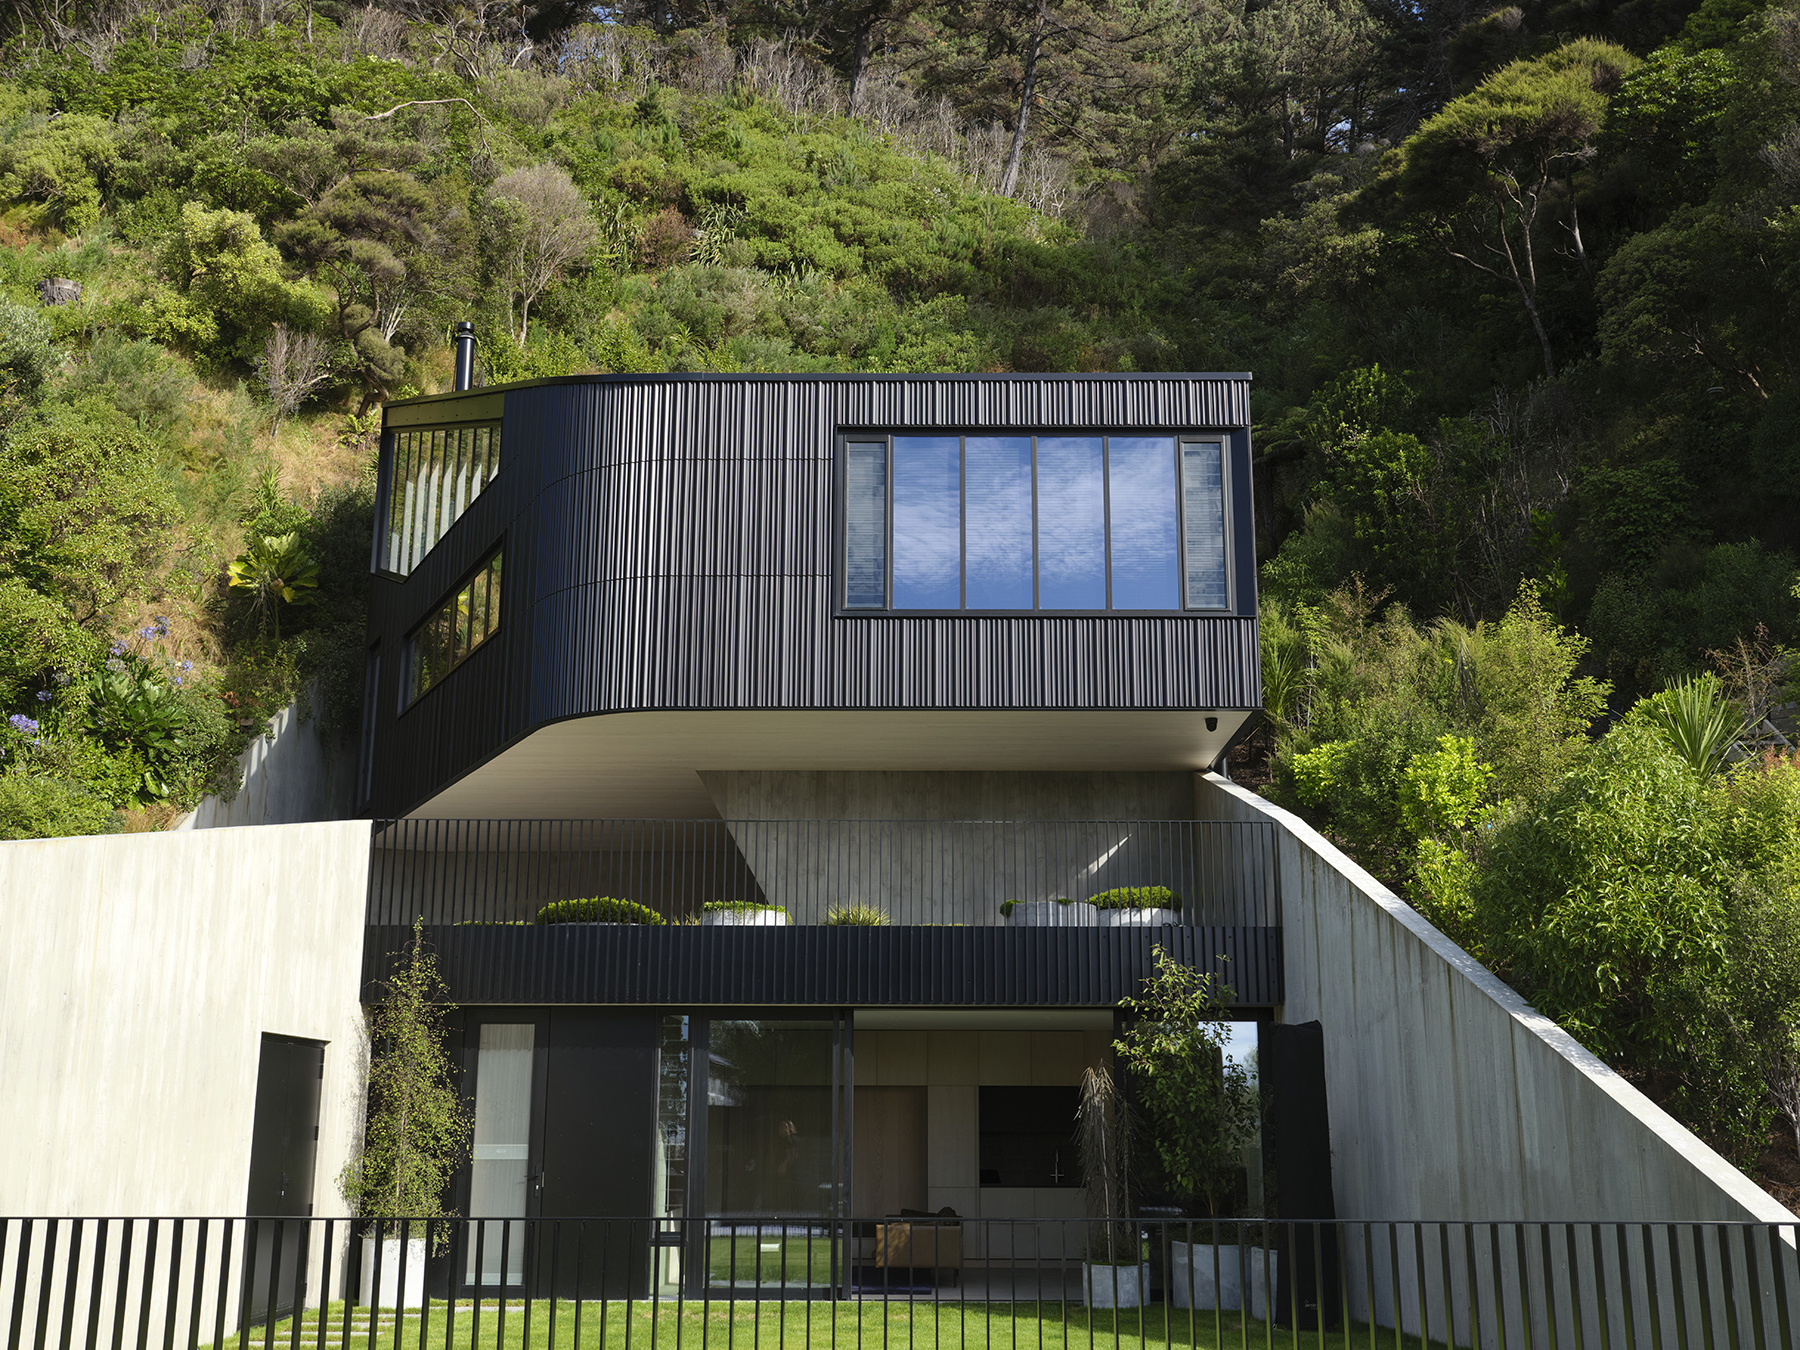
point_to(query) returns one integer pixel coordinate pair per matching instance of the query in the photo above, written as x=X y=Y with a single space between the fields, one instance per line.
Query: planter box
x=1051 y=914
x=1114 y=1286
x=1195 y=1281
x=1137 y=918
x=743 y=918
x=391 y=1295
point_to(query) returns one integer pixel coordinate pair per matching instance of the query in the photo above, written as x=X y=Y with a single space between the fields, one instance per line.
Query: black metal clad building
x=672 y=543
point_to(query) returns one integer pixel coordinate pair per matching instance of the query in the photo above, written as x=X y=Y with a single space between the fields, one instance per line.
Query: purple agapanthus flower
x=117 y=649
x=187 y=665
x=20 y=722
x=44 y=696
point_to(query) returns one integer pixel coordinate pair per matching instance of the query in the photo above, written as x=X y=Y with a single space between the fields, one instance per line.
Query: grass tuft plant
x=856 y=916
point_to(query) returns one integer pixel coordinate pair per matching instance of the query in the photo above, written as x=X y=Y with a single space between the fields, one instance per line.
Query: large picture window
x=434 y=474
x=1036 y=522
x=459 y=625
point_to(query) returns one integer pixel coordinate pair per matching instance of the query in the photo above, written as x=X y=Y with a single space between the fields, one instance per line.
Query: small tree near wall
x=418 y=1129
x=1197 y=1107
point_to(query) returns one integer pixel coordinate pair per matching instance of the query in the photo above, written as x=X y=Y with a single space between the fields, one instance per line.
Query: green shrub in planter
x=1007 y=906
x=738 y=907
x=1137 y=897
x=856 y=916
x=600 y=909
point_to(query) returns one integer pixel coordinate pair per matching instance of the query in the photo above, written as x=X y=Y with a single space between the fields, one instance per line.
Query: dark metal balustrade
x=164 y=1283
x=909 y=872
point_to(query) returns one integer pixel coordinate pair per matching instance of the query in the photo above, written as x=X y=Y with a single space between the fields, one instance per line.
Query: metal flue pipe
x=465 y=355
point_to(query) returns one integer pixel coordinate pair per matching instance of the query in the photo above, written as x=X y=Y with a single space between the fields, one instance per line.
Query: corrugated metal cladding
x=834 y=967
x=670 y=543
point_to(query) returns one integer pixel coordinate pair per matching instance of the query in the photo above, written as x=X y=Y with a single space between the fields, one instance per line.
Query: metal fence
x=901 y=872
x=175 y=1282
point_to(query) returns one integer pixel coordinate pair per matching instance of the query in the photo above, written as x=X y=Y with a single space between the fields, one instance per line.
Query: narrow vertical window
x=1142 y=511
x=1203 y=523
x=1071 y=539
x=998 y=505
x=453 y=631
x=927 y=522
x=434 y=476
x=500 y=1169
x=865 y=525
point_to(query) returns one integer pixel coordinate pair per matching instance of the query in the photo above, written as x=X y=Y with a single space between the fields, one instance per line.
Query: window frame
x=409 y=648
x=381 y=563
x=840 y=570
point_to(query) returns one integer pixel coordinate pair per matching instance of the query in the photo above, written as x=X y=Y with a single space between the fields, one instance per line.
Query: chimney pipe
x=465 y=355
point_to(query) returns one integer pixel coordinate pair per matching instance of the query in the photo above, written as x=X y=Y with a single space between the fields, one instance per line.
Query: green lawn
x=770 y=1261
x=802 y=1326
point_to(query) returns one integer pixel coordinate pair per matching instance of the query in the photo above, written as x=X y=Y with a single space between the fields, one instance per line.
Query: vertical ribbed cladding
x=833 y=967
x=670 y=545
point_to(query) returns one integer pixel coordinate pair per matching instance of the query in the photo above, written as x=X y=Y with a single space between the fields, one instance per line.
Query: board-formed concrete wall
x=138 y=974
x=1450 y=1096
x=293 y=772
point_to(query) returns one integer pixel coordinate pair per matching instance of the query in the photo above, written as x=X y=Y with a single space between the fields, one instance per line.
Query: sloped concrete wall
x=138 y=974
x=1450 y=1096
x=292 y=772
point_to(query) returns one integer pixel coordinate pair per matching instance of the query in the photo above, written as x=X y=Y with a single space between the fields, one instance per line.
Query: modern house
x=750 y=749
x=754 y=656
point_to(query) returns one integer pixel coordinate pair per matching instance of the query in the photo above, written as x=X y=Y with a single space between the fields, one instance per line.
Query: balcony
x=964 y=912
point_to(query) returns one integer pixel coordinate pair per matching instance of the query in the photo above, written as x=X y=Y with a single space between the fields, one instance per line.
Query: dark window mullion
x=1034 y=524
x=893 y=506
x=962 y=522
x=1181 y=574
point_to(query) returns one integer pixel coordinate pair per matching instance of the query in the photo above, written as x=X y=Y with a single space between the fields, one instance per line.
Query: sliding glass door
x=754 y=1120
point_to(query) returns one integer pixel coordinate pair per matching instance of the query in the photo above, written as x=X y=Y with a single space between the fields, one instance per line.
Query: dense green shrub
x=1137 y=897
x=856 y=916
x=33 y=806
x=601 y=909
x=739 y=907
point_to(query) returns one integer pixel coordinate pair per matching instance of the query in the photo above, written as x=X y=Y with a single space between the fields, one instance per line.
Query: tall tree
x=1499 y=163
x=1089 y=76
x=540 y=224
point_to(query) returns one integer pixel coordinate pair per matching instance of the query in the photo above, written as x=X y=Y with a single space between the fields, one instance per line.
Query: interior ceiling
x=647 y=765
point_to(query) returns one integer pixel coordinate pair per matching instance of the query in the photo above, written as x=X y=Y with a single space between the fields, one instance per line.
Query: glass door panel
x=500 y=1176
x=773 y=1171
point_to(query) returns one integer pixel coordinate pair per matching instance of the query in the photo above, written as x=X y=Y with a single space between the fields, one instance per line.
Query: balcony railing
x=822 y=872
x=926 y=1281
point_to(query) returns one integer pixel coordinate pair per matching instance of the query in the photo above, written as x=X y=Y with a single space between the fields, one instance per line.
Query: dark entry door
x=284 y=1143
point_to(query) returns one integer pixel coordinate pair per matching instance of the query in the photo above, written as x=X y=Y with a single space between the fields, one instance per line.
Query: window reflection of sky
x=927 y=523
x=1071 y=523
x=998 y=472
x=1144 y=552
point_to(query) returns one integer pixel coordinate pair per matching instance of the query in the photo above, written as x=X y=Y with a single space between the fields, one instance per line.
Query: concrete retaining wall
x=137 y=976
x=1450 y=1096
x=292 y=772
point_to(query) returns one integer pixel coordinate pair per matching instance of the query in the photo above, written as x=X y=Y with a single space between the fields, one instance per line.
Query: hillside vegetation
x=1518 y=287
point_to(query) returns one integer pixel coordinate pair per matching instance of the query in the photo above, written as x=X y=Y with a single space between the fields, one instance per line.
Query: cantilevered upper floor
x=591 y=591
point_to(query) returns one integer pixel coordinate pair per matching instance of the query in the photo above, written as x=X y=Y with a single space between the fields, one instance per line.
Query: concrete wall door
x=284 y=1146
